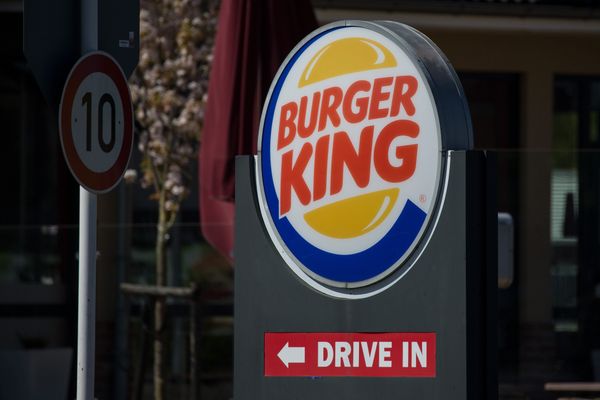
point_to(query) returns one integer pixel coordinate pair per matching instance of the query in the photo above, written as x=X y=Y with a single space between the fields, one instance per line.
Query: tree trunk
x=159 y=302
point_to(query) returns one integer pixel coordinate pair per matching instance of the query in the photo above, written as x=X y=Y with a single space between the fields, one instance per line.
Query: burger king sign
x=351 y=164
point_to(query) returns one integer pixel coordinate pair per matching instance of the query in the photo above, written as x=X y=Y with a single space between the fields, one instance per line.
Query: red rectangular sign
x=350 y=354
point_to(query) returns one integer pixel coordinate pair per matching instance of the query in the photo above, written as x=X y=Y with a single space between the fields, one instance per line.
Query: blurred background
x=531 y=73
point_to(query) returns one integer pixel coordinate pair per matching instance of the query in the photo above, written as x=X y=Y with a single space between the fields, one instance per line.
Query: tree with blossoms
x=169 y=90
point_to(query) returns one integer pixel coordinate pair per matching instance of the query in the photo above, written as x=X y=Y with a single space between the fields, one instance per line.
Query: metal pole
x=86 y=311
x=121 y=328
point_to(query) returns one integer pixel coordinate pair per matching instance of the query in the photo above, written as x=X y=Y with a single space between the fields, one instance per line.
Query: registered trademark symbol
x=422 y=198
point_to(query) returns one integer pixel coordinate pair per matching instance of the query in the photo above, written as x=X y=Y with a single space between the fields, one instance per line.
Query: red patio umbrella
x=253 y=38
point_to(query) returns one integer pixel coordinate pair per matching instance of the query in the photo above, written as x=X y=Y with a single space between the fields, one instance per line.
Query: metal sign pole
x=86 y=311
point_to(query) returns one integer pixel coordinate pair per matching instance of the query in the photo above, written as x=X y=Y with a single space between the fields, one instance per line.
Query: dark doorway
x=494 y=105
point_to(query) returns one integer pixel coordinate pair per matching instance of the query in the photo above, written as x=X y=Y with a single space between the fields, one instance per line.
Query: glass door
x=575 y=225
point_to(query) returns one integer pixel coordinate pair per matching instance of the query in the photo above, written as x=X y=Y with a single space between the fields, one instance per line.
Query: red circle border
x=99 y=182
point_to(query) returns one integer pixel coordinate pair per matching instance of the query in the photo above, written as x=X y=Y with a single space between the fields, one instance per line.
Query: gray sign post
x=52 y=39
x=424 y=327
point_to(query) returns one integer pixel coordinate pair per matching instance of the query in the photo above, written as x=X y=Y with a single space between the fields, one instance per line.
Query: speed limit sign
x=96 y=122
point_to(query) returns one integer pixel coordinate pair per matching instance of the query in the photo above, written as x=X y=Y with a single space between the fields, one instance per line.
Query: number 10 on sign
x=105 y=99
x=96 y=122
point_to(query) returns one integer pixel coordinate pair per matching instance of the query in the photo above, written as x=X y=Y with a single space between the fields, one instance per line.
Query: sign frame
x=455 y=133
x=449 y=292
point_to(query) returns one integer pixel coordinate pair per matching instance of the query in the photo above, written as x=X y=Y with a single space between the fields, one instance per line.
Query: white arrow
x=289 y=355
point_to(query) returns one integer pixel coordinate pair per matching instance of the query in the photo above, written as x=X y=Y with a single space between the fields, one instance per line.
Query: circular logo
x=349 y=159
x=96 y=122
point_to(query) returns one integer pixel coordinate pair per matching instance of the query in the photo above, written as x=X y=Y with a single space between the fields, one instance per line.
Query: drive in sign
x=96 y=122
x=350 y=354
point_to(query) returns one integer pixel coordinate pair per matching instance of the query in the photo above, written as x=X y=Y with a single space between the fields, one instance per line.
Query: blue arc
x=361 y=266
x=348 y=268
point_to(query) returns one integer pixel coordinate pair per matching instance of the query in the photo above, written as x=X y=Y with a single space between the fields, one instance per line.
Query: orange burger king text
x=361 y=102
